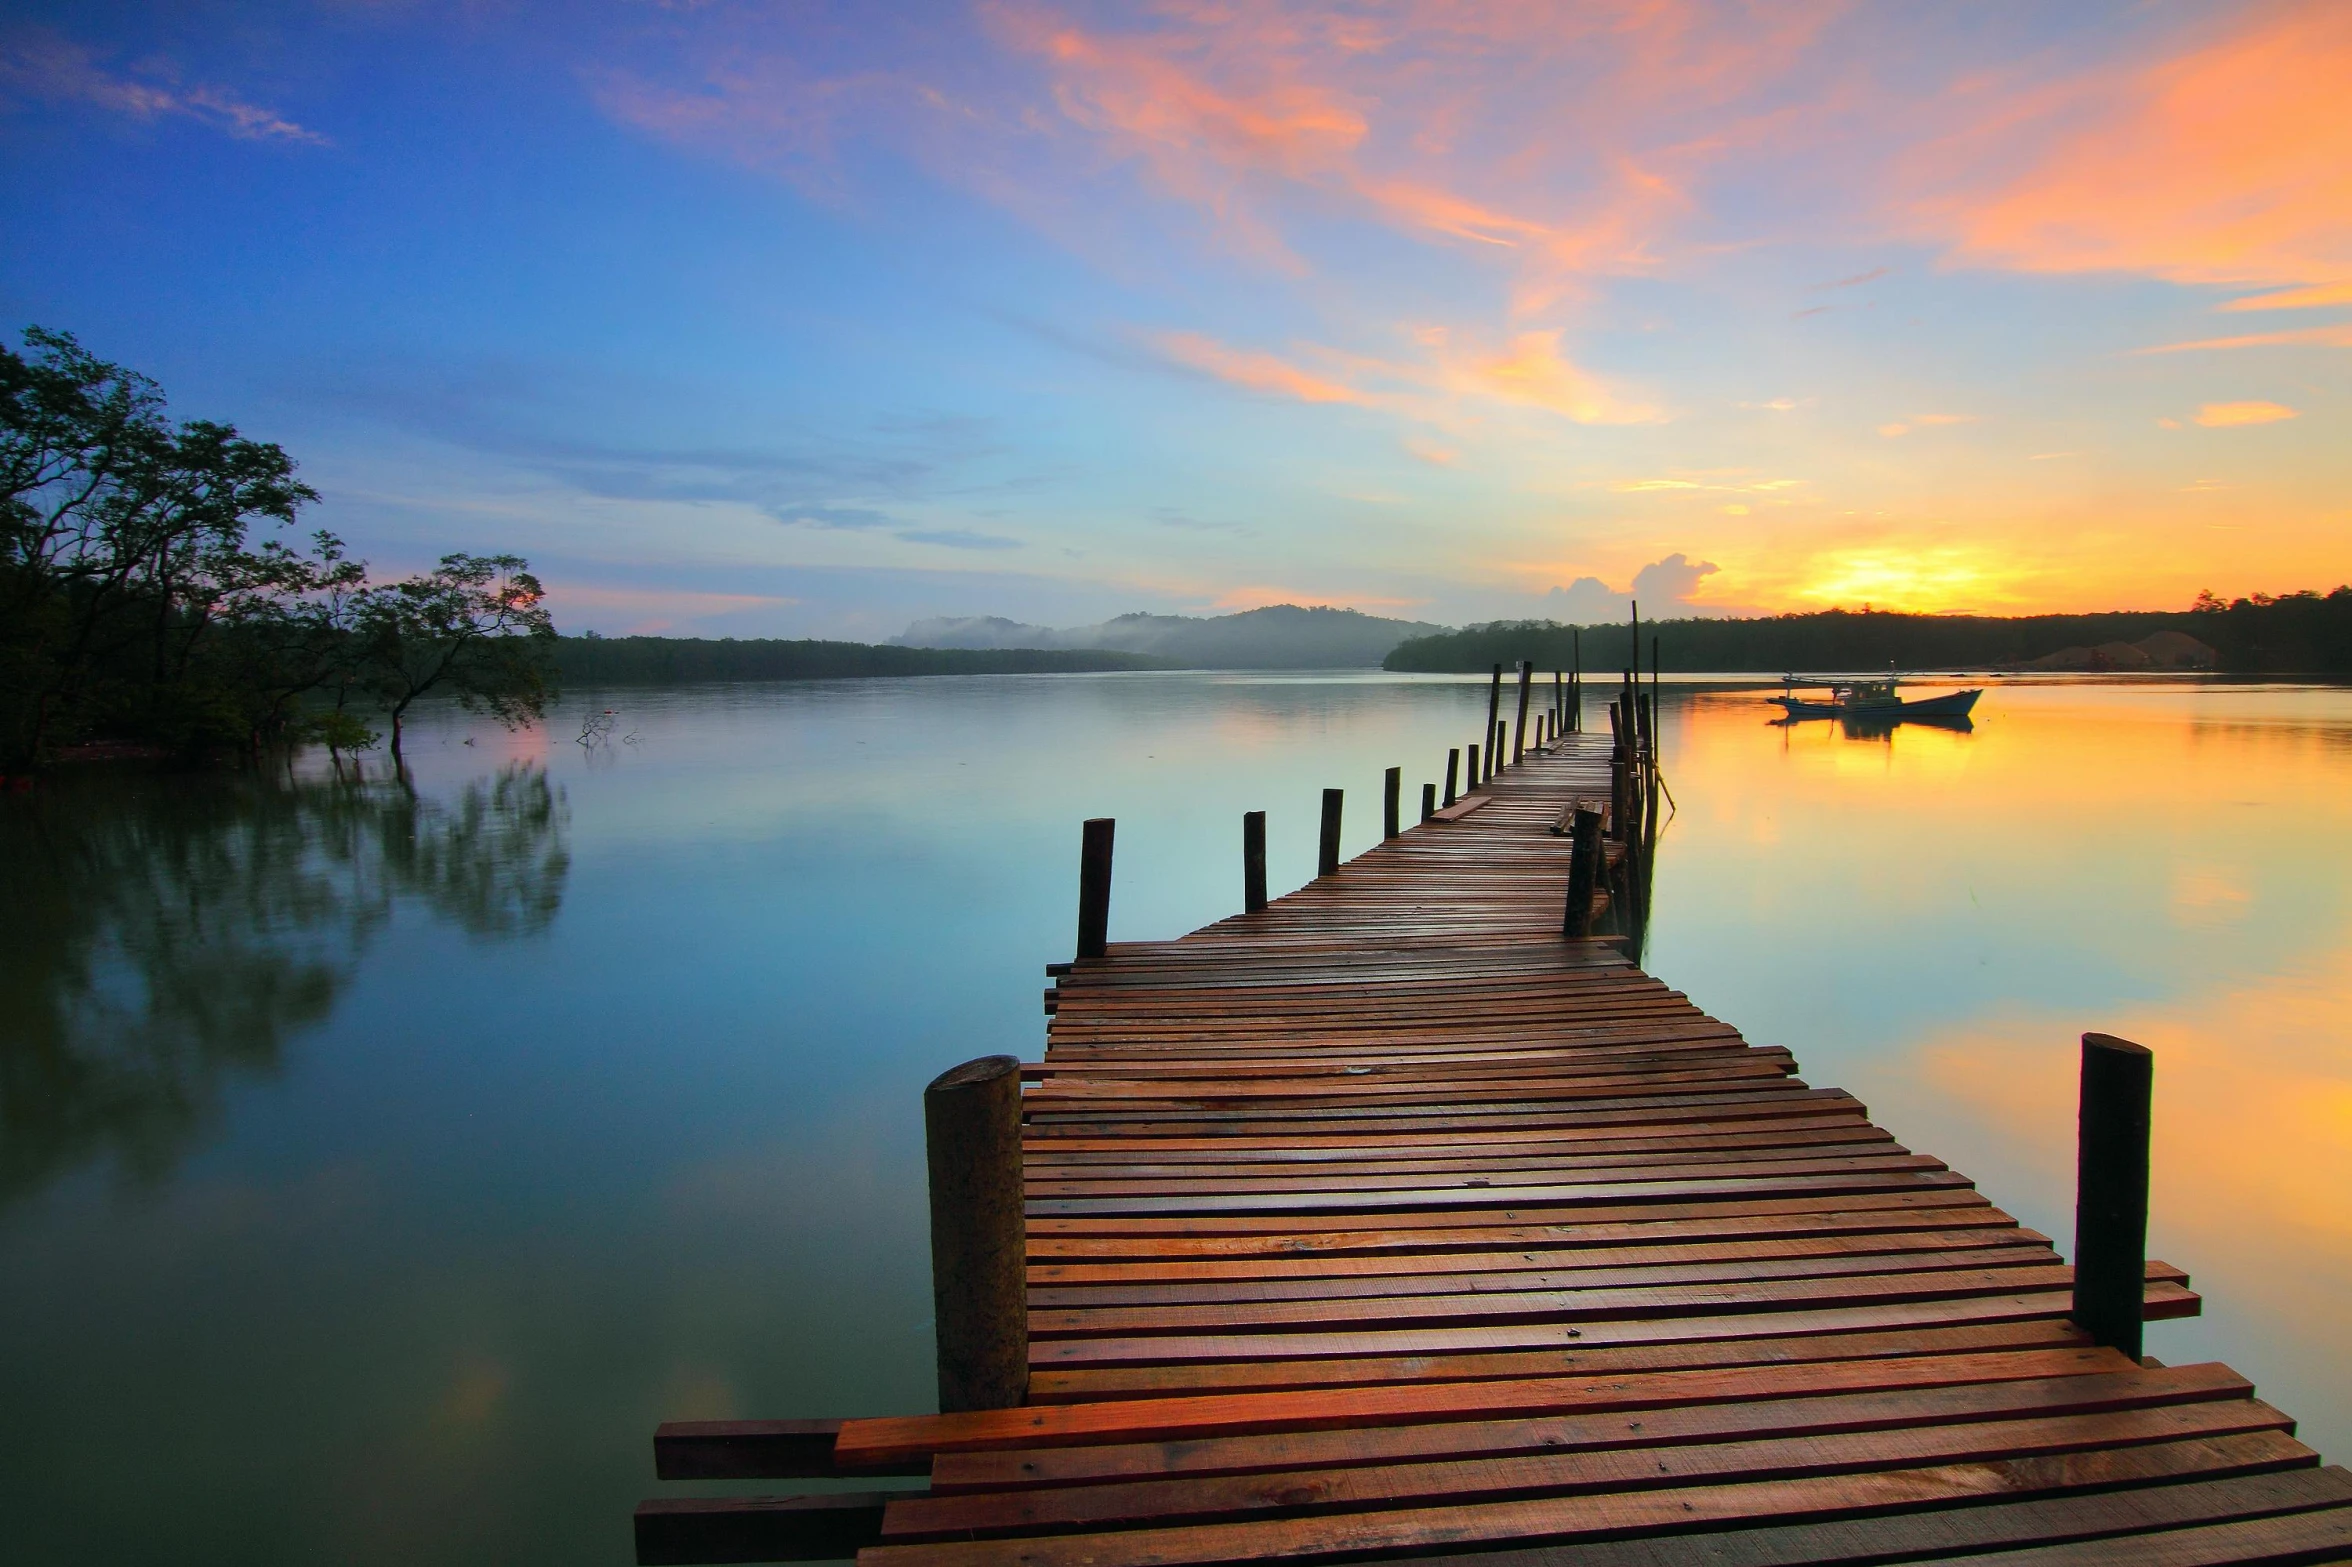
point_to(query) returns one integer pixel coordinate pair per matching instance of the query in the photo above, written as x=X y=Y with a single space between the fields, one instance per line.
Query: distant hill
x=593 y=660
x=1282 y=636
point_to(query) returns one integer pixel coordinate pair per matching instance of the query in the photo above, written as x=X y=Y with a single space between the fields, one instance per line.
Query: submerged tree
x=475 y=627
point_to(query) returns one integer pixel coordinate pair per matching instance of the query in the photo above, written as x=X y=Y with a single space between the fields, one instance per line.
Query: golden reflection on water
x=1933 y=918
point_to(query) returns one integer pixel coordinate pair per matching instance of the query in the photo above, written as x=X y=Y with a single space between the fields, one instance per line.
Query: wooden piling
x=1392 y=784
x=1519 y=729
x=1094 y=886
x=1327 y=853
x=2111 y=1190
x=1584 y=868
x=1428 y=801
x=1494 y=713
x=1453 y=762
x=979 y=1243
x=1253 y=861
x=1497 y=738
x=1473 y=767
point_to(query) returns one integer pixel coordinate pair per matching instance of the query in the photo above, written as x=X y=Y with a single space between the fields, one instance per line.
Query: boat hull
x=1952 y=704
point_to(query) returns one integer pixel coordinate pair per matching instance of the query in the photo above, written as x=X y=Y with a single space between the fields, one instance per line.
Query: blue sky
x=804 y=320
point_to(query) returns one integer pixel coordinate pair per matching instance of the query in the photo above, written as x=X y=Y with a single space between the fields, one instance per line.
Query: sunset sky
x=795 y=319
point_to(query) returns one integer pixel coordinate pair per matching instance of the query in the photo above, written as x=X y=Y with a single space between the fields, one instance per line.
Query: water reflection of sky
x=393 y=1166
x=1931 y=919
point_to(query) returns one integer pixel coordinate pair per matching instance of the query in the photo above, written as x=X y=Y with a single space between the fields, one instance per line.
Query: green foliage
x=595 y=660
x=2299 y=634
x=135 y=609
x=475 y=627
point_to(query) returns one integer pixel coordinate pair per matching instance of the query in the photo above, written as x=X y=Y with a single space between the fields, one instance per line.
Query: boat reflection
x=1867 y=726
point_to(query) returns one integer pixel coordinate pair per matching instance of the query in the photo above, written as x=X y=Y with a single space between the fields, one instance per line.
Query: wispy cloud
x=2223 y=416
x=1528 y=370
x=2319 y=336
x=51 y=68
x=2294 y=298
x=1256 y=372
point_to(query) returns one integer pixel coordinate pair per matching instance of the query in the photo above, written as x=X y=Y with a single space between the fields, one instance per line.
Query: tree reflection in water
x=169 y=935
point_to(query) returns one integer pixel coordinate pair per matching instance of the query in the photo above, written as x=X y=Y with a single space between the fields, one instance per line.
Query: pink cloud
x=50 y=67
x=2228 y=162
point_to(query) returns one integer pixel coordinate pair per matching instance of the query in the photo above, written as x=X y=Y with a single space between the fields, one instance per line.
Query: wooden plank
x=1159 y=1381
x=1610 y=1414
x=871 y=1443
x=1574 y=1457
x=1946 y=1532
x=1422 y=1530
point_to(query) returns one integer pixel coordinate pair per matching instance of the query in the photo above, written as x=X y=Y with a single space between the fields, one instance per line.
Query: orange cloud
x=1532 y=371
x=1258 y=372
x=2223 y=416
x=2231 y=163
x=2324 y=336
x=2294 y=298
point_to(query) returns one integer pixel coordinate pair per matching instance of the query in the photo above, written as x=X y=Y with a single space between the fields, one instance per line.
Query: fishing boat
x=1875 y=699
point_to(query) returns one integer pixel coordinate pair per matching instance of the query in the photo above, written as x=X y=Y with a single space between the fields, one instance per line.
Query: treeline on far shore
x=2300 y=633
x=593 y=660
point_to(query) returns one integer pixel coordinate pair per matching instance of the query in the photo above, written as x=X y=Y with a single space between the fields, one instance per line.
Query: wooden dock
x=1386 y=1222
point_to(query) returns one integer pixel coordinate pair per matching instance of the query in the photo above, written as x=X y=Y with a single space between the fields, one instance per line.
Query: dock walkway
x=1386 y=1222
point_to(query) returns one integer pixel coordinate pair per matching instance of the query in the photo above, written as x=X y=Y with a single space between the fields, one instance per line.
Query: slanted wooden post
x=1494 y=711
x=1327 y=854
x=1094 y=887
x=1584 y=871
x=1392 y=784
x=1428 y=801
x=1617 y=771
x=979 y=1244
x=1253 y=860
x=2111 y=1190
x=1519 y=729
x=1453 y=761
x=1576 y=682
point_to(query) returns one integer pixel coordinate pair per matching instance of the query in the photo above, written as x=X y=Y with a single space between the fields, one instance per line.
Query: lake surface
x=377 y=1169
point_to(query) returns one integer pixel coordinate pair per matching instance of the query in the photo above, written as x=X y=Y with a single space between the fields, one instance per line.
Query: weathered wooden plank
x=1583 y=1516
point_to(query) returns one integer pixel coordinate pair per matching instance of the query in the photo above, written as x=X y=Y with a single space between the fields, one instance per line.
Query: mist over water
x=378 y=1167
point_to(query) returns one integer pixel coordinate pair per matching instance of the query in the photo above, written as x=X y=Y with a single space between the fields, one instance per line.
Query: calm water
x=377 y=1170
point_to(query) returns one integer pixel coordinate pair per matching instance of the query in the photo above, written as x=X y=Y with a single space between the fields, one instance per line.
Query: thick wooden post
x=2111 y=1190
x=1453 y=761
x=1392 y=784
x=1327 y=853
x=1428 y=801
x=1584 y=861
x=1519 y=729
x=1253 y=860
x=1474 y=779
x=1497 y=740
x=1094 y=887
x=979 y=1262
x=1494 y=712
